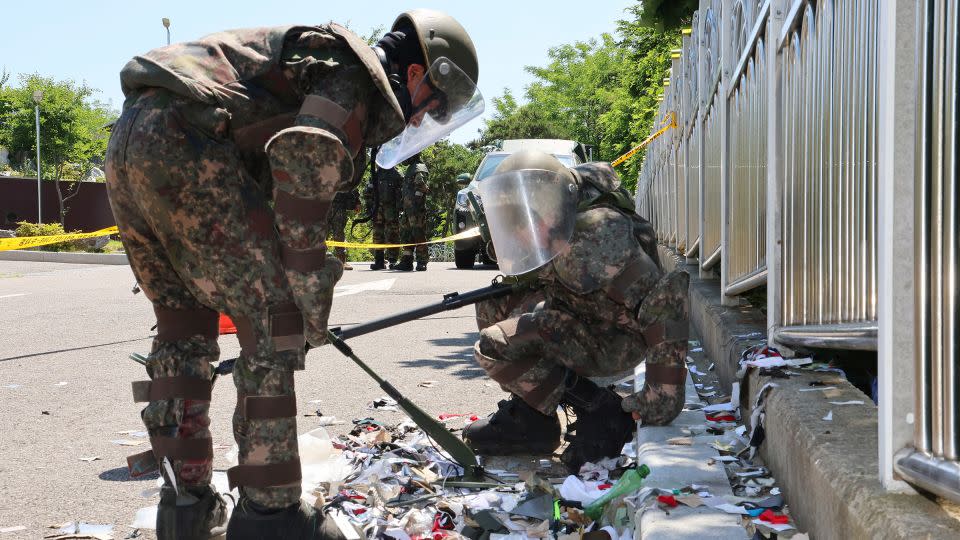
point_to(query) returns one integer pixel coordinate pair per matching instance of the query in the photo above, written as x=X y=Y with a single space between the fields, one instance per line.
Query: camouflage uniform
x=344 y=203
x=386 y=222
x=220 y=173
x=413 y=223
x=599 y=308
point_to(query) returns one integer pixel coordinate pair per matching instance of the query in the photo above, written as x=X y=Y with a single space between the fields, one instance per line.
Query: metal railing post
x=897 y=110
x=728 y=55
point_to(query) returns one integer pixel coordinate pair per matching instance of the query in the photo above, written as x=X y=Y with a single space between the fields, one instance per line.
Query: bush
x=25 y=228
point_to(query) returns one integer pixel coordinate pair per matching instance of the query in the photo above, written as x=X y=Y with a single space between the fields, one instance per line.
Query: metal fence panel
x=746 y=184
x=828 y=84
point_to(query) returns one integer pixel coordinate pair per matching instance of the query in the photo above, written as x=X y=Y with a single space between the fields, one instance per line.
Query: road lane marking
x=378 y=285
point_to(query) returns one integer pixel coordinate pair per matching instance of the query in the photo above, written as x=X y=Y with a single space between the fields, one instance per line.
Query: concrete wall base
x=828 y=470
x=72 y=257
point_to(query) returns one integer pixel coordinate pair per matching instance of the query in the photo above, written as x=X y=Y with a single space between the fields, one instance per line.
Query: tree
x=445 y=160
x=73 y=138
x=511 y=121
x=665 y=14
x=603 y=92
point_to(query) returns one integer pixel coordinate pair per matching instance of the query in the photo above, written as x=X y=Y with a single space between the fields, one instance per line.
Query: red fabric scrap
x=668 y=500
x=606 y=485
x=226 y=325
x=771 y=517
x=722 y=418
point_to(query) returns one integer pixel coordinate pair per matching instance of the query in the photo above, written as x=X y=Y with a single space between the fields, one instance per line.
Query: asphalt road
x=66 y=331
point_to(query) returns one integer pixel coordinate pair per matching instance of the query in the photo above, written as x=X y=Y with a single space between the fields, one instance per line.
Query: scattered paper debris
x=127 y=442
x=731 y=508
x=428 y=384
x=89 y=459
x=817 y=389
x=13 y=386
x=828 y=417
x=62 y=383
x=851 y=402
x=14 y=528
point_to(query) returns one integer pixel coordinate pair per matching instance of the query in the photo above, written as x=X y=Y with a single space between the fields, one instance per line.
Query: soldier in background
x=386 y=219
x=598 y=303
x=343 y=203
x=413 y=221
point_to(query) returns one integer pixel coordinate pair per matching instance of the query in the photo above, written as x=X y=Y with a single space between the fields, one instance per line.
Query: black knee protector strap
x=177 y=387
x=265 y=476
x=267 y=407
x=181 y=324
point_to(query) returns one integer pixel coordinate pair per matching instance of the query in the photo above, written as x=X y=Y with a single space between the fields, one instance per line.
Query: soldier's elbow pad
x=308 y=165
x=309 y=162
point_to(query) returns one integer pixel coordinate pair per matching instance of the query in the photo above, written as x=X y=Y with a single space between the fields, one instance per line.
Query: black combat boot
x=191 y=515
x=378 y=263
x=251 y=521
x=602 y=426
x=516 y=428
x=405 y=264
x=421 y=267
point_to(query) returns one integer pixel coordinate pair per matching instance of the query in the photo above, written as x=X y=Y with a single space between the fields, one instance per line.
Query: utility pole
x=37 y=97
x=166 y=24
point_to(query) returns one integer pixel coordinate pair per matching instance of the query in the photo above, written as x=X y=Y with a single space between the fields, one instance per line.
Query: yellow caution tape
x=469 y=233
x=24 y=242
x=672 y=116
x=34 y=241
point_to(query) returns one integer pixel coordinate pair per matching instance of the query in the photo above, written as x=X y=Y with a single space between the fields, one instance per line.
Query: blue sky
x=91 y=40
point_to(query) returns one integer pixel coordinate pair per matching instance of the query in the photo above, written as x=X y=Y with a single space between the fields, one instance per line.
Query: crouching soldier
x=598 y=304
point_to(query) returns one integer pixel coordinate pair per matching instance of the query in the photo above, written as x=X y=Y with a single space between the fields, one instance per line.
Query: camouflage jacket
x=612 y=261
x=259 y=79
x=415 y=182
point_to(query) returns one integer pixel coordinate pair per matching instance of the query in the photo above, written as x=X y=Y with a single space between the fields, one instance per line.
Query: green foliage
x=665 y=14
x=512 y=121
x=445 y=160
x=601 y=92
x=25 y=228
x=72 y=134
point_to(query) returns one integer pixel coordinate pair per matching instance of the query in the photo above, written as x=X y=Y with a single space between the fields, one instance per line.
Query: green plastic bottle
x=628 y=483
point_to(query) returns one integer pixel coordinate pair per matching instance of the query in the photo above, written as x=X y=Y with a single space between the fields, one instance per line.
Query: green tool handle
x=457 y=449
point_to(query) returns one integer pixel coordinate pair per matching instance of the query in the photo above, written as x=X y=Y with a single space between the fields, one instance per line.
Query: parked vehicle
x=570 y=153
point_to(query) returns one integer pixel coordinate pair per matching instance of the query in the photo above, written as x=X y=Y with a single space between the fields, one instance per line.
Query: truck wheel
x=489 y=255
x=464 y=259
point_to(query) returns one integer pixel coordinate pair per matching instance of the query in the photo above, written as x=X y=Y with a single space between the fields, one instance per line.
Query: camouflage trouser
x=387 y=232
x=199 y=235
x=337 y=224
x=413 y=227
x=530 y=351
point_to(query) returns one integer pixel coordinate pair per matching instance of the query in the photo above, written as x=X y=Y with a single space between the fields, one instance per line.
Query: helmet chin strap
x=397 y=84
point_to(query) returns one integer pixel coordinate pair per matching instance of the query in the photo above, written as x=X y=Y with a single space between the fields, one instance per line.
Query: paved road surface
x=66 y=331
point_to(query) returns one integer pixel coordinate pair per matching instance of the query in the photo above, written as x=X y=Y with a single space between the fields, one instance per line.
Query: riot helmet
x=530 y=203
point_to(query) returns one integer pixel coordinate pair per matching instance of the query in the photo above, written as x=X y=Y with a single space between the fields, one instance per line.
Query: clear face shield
x=531 y=214
x=454 y=100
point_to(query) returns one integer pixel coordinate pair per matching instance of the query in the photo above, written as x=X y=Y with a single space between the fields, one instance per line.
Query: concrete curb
x=828 y=470
x=64 y=257
x=674 y=466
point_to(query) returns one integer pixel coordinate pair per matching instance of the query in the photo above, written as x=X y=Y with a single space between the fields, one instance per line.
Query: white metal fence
x=813 y=82
x=777 y=171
